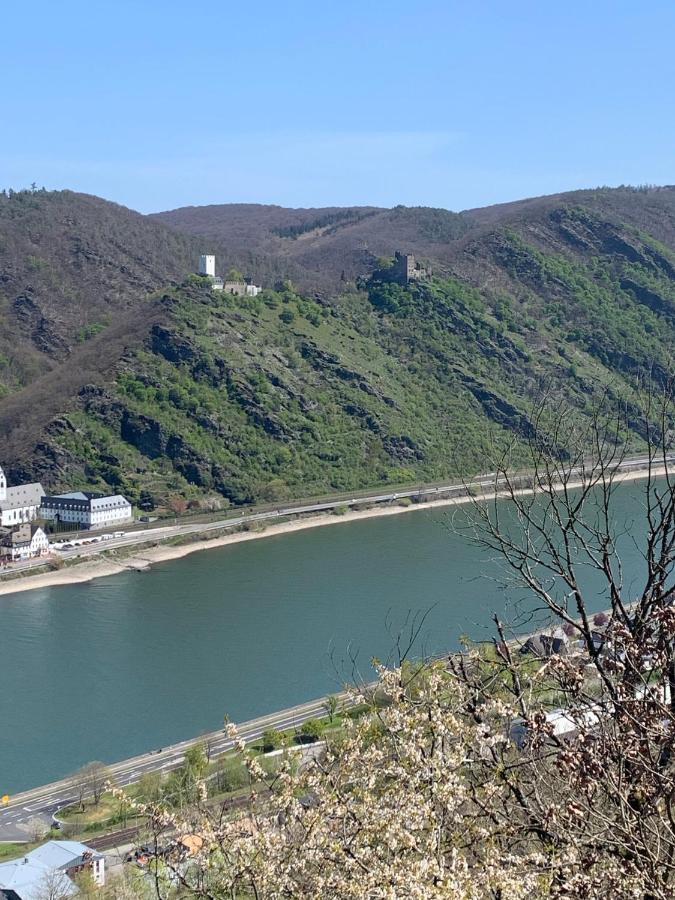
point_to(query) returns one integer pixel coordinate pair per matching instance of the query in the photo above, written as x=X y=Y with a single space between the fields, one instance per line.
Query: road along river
x=44 y=802
x=121 y=665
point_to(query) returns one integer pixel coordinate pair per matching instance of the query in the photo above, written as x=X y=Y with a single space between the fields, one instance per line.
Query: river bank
x=248 y=629
x=86 y=571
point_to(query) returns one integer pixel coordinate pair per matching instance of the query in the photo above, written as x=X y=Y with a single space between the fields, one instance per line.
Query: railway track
x=128 y=835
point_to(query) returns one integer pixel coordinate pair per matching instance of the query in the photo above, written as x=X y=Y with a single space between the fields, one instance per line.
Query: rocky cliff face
x=298 y=392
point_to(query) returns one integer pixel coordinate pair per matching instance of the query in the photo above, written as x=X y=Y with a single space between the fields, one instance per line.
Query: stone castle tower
x=407 y=269
x=207 y=265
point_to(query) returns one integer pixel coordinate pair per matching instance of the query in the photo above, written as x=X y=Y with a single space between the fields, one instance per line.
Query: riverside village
x=28 y=515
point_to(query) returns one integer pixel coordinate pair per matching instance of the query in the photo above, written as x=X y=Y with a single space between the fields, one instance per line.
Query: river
x=132 y=662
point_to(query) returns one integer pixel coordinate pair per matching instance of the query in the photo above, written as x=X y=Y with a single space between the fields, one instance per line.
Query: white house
x=49 y=870
x=23 y=542
x=82 y=509
x=19 y=504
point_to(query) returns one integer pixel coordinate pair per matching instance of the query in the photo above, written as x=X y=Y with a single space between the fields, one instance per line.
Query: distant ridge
x=355 y=237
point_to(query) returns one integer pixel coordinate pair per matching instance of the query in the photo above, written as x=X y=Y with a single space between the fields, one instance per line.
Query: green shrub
x=311 y=730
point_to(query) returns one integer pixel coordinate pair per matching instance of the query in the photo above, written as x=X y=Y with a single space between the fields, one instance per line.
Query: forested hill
x=341 y=379
x=72 y=265
x=319 y=248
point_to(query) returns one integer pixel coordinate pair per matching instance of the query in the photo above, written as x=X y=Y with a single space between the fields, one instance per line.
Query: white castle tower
x=207 y=265
x=3 y=486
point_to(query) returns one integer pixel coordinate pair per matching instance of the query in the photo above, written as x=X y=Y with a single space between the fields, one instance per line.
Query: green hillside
x=284 y=395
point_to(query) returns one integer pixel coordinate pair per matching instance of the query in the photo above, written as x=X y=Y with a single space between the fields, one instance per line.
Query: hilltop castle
x=207 y=268
x=407 y=269
x=403 y=270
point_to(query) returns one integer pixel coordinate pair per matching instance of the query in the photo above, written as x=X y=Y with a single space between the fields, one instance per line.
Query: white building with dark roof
x=83 y=509
x=20 y=503
x=49 y=870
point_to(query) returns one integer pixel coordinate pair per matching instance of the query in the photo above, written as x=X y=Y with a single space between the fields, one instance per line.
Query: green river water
x=137 y=661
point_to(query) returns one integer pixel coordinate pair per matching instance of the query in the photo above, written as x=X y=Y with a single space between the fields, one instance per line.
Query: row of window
x=85 y=508
x=24 y=514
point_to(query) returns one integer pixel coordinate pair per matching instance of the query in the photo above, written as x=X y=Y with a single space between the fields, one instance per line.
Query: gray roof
x=547 y=644
x=29 y=875
x=31 y=882
x=534 y=645
x=23 y=495
x=20 y=535
x=83 y=500
x=62 y=854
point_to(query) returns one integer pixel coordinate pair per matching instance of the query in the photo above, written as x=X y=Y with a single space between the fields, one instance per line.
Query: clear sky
x=436 y=102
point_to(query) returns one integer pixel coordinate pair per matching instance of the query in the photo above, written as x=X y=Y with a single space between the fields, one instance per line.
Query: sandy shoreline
x=102 y=568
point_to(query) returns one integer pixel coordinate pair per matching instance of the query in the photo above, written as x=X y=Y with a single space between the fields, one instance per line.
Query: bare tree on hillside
x=91 y=781
x=596 y=769
x=38 y=829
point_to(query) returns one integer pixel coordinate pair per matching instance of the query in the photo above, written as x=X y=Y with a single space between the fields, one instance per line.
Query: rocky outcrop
x=367 y=418
x=143 y=433
x=171 y=345
x=242 y=392
x=648 y=297
x=194 y=467
x=498 y=409
x=403 y=448
x=43 y=333
x=518 y=261
x=50 y=464
x=329 y=364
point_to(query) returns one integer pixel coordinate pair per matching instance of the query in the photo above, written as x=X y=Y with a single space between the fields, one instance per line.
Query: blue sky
x=457 y=104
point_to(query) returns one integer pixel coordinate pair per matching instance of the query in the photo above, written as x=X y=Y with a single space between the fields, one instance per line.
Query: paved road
x=164 y=532
x=42 y=802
